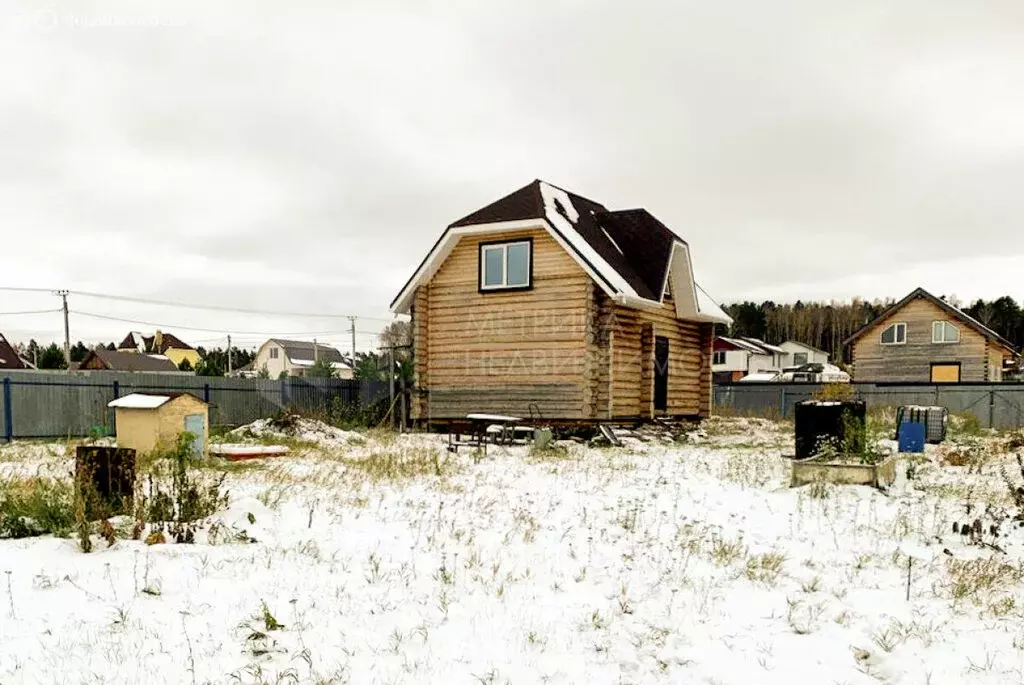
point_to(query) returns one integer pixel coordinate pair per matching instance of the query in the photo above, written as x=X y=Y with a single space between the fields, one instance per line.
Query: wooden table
x=480 y=430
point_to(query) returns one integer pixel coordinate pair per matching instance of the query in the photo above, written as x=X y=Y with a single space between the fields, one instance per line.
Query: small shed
x=147 y=421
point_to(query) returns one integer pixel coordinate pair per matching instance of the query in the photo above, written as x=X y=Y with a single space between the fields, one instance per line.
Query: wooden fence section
x=996 y=405
x=48 y=405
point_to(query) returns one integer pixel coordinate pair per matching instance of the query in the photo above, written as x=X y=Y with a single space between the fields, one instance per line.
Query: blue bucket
x=912 y=437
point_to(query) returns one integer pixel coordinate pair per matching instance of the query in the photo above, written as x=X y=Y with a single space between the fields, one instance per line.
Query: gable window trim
x=718 y=357
x=940 y=331
x=503 y=245
x=896 y=327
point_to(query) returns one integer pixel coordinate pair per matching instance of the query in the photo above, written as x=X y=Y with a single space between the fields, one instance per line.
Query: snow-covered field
x=653 y=563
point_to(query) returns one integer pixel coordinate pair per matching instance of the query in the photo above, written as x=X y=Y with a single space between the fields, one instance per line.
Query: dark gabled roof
x=300 y=349
x=128 y=361
x=9 y=358
x=646 y=246
x=168 y=341
x=632 y=241
x=628 y=253
x=942 y=304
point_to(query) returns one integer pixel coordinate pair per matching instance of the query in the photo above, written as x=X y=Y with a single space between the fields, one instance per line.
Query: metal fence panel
x=59 y=404
x=996 y=405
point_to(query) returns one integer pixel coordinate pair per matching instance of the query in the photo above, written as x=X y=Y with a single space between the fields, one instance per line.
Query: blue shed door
x=196 y=425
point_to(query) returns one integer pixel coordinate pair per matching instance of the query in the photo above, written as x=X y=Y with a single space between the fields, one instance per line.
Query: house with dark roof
x=545 y=302
x=925 y=339
x=120 y=360
x=160 y=343
x=10 y=360
x=295 y=357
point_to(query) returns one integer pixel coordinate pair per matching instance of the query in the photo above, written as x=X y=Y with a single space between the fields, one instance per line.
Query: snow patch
x=309 y=430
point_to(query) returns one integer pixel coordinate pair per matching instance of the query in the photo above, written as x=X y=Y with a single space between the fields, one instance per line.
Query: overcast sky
x=305 y=155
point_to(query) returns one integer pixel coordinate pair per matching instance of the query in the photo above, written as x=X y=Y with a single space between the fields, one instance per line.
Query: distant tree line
x=213 y=362
x=827 y=325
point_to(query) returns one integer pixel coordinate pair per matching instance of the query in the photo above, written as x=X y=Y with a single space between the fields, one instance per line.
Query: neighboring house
x=547 y=303
x=924 y=339
x=296 y=356
x=9 y=358
x=735 y=358
x=165 y=344
x=799 y=354
x=106 y=360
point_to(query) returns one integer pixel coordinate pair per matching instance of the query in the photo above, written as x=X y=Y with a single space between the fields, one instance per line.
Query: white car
x=808 y=373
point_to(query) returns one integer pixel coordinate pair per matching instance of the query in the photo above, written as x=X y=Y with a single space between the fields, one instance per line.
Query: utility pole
x=63 y=294
x=316 y=352
x=391 y=384
x=229 y=355
x=352 y=319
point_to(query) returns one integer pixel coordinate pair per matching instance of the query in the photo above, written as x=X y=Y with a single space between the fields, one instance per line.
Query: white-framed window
x=718 y=357
x=273 y=353
x=799 y=358
x=895 y=334
x=945 y=332
x=505 y=265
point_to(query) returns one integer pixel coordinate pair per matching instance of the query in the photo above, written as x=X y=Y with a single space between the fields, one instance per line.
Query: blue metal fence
x=46 y=405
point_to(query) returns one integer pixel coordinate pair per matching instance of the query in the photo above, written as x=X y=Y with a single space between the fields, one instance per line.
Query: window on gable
x=505 y=265
x=273 y=353
x=896 y=334
x=799 y=358
x=718 y=357
x=945 y=332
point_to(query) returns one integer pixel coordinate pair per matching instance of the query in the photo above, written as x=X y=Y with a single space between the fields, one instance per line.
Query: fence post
x=206 y=393
x=284 y=393
x=991 y=408
x=8 y=413
x=113 y=412
x=783 y=401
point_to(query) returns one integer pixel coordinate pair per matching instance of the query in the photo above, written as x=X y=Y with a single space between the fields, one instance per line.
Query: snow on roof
x=764 y=345
x=140 y=401
x=709 y=307
x=310 y=362
x=744 y=345
x=565 y=226
x=760 y=376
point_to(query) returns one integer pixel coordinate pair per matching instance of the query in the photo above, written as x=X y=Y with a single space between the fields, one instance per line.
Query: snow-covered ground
x=652 y=563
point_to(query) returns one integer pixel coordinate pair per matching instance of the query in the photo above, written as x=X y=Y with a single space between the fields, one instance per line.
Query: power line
x=219 y=308
x=32 y=311
x=93 y=315
x=26 y=290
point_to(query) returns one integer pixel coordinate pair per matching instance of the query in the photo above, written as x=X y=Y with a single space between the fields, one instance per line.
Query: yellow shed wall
x=145 y=430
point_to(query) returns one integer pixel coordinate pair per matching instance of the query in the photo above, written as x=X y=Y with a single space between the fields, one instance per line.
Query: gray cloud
x=250 y=156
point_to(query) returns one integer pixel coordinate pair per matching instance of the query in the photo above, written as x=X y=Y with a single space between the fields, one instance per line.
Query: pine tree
x=52 y=358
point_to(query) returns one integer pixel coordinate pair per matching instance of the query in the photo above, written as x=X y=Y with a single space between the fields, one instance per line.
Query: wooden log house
x=545 y=303
x=924 y=339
